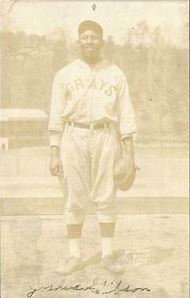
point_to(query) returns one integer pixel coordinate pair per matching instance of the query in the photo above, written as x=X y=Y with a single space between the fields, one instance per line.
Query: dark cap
x=90 y=25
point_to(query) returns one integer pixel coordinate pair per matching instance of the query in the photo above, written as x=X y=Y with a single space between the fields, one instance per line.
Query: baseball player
x=91 y=126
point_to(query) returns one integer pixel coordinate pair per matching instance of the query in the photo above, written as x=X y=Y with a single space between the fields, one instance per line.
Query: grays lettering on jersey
x=84 y=94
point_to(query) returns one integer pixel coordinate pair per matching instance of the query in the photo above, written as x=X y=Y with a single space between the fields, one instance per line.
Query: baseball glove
x=124 y=179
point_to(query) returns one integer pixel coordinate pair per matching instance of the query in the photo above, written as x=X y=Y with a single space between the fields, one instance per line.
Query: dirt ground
x=153 y=247
x=151 y=233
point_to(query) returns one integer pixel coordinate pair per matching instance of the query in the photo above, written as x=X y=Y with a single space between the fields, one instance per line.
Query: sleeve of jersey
x=56 y=124
x=126 y=116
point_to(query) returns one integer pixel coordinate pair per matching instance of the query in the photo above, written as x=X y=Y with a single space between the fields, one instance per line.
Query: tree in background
x=157 y=73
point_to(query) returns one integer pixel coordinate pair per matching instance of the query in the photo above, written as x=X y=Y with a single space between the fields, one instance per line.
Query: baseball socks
x=74 y=247
x=107 y=246
x=74 y=262
x=108 y=260
x=107 y=234
x=74 y=236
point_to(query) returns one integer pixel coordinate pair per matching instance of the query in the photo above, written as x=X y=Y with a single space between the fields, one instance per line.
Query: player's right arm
x=56 y=125
x=55 y=165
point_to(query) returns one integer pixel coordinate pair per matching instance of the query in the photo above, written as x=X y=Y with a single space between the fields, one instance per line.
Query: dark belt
x=88 y=126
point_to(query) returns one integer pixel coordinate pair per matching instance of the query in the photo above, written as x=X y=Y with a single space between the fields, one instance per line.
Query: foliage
x=157 y=74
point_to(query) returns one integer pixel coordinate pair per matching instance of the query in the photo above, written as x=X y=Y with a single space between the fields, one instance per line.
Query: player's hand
x=55 y=166
x=126 y=168
x=125 y=173
x=130 y=167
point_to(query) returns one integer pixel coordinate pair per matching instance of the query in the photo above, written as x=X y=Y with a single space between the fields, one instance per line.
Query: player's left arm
x=129 y=159
x=127 y=122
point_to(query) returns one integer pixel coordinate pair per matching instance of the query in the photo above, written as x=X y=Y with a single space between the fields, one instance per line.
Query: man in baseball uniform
x=91 y=125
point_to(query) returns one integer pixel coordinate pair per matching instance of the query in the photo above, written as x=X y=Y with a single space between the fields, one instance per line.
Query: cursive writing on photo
x=96 y=286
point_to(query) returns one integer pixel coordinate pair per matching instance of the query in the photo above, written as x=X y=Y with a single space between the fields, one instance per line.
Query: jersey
x=87 y=95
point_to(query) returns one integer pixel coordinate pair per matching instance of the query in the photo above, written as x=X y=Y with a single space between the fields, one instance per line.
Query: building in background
x=23 y=128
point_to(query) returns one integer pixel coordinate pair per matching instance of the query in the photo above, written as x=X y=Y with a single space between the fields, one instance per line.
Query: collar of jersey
x=102 y=65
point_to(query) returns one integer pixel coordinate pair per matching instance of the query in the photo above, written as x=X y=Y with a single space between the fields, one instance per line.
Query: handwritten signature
x=97 y=286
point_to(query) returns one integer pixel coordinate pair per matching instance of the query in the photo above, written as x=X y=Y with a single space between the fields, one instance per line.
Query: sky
x=46 y=17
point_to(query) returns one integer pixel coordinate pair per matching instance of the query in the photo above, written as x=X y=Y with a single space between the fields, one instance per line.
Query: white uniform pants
x=88 y=157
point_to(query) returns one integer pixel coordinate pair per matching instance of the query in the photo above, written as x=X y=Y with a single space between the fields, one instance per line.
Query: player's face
x=90 y=44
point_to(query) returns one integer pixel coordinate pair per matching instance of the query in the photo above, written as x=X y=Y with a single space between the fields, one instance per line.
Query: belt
x=88 y=126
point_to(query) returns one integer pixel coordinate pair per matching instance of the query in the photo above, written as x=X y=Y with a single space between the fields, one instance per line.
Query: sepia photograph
x=94 y=148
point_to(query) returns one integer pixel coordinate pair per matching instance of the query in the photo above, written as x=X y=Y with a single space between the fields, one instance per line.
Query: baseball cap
x=90 y=25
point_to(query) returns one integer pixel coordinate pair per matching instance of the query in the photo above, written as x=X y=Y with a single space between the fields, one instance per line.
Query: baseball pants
x=88 y=157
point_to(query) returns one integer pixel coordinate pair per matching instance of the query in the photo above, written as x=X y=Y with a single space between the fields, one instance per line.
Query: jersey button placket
x=88 y=97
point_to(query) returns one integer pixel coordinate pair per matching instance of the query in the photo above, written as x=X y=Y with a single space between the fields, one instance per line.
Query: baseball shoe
x=71 y=265
x=112 y=265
